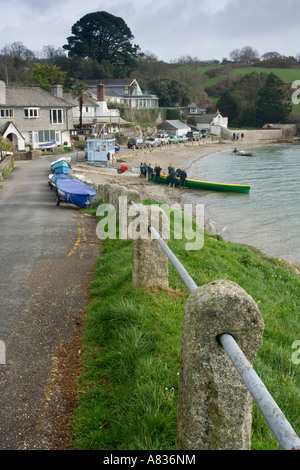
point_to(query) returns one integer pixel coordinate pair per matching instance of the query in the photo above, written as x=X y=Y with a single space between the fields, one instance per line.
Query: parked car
x=182 y=138
x=204 y=133
x=164 y=138
x=192 y=135
x=153 y=142
x=173 y=139
x=134 y=143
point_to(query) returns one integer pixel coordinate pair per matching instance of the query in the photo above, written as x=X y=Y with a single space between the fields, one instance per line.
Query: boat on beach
x=62 y=165
x=71 y=190
x=207 y=185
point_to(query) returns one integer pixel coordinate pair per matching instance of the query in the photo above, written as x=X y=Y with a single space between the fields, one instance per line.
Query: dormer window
x=31 y=113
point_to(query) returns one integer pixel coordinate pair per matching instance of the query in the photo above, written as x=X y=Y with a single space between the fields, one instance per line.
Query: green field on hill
x=286 y=75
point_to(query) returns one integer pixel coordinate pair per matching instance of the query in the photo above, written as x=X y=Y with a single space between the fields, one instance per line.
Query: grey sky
x=169 y=29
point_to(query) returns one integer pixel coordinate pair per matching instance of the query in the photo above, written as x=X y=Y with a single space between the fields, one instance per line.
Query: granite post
x=214 y=405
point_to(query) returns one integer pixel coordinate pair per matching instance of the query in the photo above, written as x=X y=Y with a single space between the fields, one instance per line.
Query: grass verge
x=131 y=345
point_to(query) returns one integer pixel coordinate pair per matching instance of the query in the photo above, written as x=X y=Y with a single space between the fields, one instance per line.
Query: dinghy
x=72 y=190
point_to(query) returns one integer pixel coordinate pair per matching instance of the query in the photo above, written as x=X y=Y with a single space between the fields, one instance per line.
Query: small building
x=174 y=127
x=213 y=122
x=100 y=150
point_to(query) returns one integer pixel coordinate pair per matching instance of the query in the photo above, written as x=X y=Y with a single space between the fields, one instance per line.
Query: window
x=56 y=116
x=44 y=136
x=31 y=113
x=6 y=113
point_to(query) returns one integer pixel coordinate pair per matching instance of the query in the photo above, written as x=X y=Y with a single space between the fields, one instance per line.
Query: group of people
x=149 y=170
x=172 y=173
x=179 y=173
x=237 y=136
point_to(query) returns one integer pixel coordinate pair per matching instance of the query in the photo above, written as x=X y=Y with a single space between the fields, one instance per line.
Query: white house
x=97 y=118
x=213 y=122
x=125 y=91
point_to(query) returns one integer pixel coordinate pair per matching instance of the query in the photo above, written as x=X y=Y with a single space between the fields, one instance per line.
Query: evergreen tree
x=273 y=104
x=101 y=36
x=228 y=105
x=45 y=75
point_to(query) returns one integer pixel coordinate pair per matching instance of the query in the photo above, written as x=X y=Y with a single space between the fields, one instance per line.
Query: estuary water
x=269 y=216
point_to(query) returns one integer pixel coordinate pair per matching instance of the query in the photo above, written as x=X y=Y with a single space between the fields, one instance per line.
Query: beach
x=182 y=155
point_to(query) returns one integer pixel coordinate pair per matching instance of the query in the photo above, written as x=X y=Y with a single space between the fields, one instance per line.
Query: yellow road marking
x=71 y=252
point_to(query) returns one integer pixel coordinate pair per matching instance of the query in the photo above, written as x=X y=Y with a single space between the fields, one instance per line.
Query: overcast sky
x=169 y=29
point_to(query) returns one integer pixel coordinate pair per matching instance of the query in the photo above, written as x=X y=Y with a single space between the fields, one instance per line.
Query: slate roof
x=110 y=81
x=33 y=96
x=207 y=118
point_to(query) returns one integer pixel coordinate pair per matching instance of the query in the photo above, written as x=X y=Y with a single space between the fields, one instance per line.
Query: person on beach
x=149 y=171
x=157 y=170
x=178 y=171
x=172 y=175
x=141 y=170
x=183 y=177
x=144 y=170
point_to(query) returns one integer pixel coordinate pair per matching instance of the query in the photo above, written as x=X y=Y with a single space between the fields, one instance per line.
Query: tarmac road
x=47 y=256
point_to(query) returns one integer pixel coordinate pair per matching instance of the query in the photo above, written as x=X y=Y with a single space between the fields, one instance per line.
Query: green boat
x=208 y=185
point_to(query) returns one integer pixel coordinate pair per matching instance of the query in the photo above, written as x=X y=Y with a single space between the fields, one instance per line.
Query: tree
x=81 y=92
x=246 y=55
x=45 y=75
x=170 y=92
x=102 y=36
x=5 y=146
x=228 y=105
x=273 y=104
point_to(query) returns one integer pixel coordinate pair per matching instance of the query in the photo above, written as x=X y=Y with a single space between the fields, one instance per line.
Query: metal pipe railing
x=280 y=427
x=187 y=279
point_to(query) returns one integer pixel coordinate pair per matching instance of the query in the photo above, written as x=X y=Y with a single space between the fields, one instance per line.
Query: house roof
x=110 y=81
x=176 y=124
x=33 y=96
x=207 y=118
x=74 y=101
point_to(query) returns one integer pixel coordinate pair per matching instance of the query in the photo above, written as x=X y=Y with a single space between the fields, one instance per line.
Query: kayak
x=208 y=185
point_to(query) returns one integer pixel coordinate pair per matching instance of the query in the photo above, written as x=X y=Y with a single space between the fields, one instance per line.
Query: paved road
x=47 y=255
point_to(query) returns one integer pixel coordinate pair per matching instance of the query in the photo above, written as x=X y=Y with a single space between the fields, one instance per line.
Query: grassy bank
x=131 y=345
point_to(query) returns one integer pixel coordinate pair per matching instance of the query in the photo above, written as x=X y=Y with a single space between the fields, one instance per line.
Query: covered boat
x=208 y=185
x=72 y=190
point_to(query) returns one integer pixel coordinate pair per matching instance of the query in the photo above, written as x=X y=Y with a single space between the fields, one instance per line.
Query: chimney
x=2 y=92
x=57 y=90
x=100 y=92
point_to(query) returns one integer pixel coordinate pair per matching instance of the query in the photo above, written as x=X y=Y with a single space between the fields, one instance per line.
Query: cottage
x=30 y=115
x=213 y=122
x=173 y=127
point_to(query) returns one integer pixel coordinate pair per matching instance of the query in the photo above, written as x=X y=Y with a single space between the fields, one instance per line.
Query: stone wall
x=5 y=164
x=267 y=135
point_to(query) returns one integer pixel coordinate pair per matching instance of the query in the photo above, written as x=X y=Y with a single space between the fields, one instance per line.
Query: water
x=268 y=218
